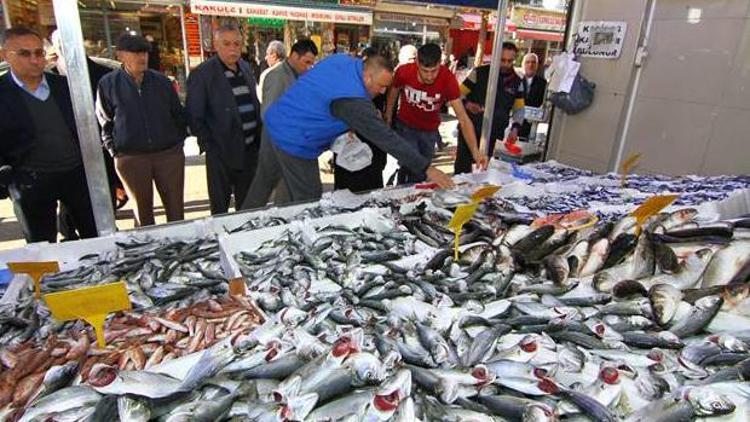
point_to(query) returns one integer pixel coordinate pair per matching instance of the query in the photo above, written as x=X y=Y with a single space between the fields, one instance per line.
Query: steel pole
x=107 y=32
x=69 y=25
x=184 y=42
x=6 y=14
x=489 y=102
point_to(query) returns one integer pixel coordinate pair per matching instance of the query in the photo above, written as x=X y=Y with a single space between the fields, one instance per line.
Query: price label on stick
x=35 y=270
x=237 y=286
x=484 y=192
x=463 y=215
x=628 y=165
x=652 y=206
x=91 y=304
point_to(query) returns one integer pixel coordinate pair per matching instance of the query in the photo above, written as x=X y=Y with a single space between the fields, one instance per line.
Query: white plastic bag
x=351 y=153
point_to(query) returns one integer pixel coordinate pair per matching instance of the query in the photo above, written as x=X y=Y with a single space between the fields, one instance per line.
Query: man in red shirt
x=424 y=87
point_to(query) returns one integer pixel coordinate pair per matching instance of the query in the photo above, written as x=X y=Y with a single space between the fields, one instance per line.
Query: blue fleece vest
x=300 y=122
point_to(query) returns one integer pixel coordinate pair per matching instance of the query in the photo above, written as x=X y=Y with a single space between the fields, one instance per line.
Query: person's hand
x=481 y=162
x=443 y=180
x=512 y=136
x=474 y=108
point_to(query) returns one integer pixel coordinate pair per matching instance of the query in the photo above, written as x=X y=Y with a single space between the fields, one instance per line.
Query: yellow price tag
x=462 y=216
x=91 y=304
x=35 y=270
x=628 y=165
x=237 y=286
x=484 y=192
x=652 y=206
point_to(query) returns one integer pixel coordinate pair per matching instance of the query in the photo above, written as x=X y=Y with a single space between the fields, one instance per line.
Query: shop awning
x=530 y=34
x=278 y=10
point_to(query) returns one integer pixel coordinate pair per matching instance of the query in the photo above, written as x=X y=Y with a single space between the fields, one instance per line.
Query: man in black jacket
x=509 y=98
x=225 y=116
x=535 y=87
x=117 y=191
x=38 y=138
x=144 y=127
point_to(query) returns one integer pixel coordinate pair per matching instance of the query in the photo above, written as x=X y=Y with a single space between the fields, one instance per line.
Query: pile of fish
x=156 y=272
x=535 y=321
x=139 y=347
x=538 y=319
x=558 y=188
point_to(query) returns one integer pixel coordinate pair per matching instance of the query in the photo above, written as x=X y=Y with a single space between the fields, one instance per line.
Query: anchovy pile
x=156 y=272
x=606 y=189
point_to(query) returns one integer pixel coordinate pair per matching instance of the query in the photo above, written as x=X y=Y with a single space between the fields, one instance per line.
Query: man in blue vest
x=332 y=98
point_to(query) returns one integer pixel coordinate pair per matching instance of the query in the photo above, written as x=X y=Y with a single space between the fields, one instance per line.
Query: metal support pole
x=6 y=14
x=107 y=32
x=184 y=41
x=69 y=25
x=489 y=102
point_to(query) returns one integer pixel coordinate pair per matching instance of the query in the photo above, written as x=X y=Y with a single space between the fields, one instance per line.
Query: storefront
x=532 y=29
x=397 y=24
x=538 y=30
x=334 y=26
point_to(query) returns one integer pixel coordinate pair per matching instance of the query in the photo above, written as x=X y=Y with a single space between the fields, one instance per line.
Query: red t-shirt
x=420 y=104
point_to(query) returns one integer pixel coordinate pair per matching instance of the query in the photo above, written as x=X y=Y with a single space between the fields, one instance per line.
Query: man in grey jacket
x=225 y=116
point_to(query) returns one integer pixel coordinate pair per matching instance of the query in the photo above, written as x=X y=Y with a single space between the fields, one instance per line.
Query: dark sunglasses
x=39 y=53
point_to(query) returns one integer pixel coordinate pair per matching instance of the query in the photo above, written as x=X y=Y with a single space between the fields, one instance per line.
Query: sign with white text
x=266 y=10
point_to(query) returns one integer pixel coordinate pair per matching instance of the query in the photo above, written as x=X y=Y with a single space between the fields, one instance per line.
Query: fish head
x=482 y=375
x=366 y=368
x=288 y=388
x=102 y=375
x=602 y=330
x=665 y=298
x=399 y=384
x=609 y=374
x=548 y=386
x=348 y=344
x=297 y=408
x=538 y=412
x=571 y=359
x=707 y=402
x=729 y=343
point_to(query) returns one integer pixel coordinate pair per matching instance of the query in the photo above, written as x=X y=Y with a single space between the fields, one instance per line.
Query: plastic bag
x=351 y=153
x=581 y=96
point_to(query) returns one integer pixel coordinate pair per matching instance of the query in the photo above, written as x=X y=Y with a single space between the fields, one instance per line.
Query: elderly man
x=333 y=97
x=39 y=140
x=225 y=116
x=535 y=86
x=275 y=54
x=144 y=128
x=509 y=98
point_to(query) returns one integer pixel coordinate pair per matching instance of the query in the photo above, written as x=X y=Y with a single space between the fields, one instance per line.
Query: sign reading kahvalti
x=266 y=10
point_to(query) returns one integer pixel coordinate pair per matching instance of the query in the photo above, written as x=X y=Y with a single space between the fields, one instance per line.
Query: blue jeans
x=424 y=142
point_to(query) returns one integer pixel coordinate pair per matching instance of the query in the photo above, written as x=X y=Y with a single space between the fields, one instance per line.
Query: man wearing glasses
x=39 y=141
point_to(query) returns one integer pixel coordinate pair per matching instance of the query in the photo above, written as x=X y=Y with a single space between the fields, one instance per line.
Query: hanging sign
x=602 y=40
x=268 y=10
x=461 y=216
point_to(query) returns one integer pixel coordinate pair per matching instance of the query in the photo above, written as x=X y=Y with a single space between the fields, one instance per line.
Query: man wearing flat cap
x=144 y=127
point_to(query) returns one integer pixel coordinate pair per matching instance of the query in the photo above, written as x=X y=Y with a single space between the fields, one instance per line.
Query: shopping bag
x=351 y=153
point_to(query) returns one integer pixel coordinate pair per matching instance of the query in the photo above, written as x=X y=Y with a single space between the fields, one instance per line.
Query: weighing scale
x=523 y=151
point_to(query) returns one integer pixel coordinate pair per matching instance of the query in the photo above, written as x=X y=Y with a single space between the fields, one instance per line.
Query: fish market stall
x=558 y=305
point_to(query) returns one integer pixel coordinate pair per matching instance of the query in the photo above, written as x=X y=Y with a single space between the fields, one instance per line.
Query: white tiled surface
x=728 y=151
x=671 y=136
x=689 y=62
